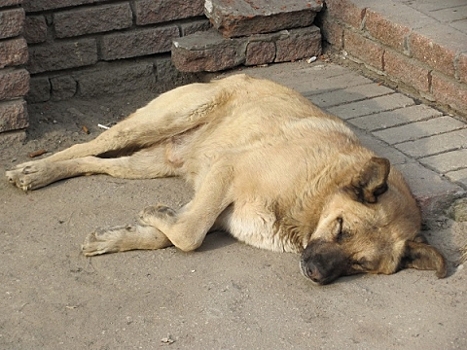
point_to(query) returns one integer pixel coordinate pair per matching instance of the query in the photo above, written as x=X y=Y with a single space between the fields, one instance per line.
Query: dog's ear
x=371 y=181
x=421 y=256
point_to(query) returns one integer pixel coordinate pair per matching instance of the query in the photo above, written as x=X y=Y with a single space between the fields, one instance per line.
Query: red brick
x=13 y=52
x=363 y=49
x=13 y=115
x=461 y=69
x=388 y=32
x=406 y=70
x=332 y=31
x=138 y=43
x=448 y=91
x=300 y=43
x=35 y=29
x=346 y=11
x=14 y=83
x=11 y=22
x=434 y=53
x=260 y=53
x=92 y=20
x=42 y=5
x=158 y=11
x=62 y=55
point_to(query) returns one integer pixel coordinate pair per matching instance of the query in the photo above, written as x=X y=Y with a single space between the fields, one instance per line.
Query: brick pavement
x=428 y=146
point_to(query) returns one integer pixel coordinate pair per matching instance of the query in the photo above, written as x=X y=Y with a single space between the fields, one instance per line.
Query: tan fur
x=266 y=165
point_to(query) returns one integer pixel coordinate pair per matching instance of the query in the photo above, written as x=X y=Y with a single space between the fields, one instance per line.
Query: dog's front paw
x=103 y=241
x=154 y=214
x=29 y=176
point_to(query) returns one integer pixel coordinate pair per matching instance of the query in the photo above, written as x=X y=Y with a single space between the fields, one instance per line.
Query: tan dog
x=267 y=166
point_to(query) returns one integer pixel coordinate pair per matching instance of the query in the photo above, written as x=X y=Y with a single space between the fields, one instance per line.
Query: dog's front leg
x=187 y=228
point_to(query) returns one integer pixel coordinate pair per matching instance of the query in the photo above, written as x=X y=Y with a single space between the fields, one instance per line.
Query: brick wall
x=388 y=41
x=14 y=79
x=93 y=47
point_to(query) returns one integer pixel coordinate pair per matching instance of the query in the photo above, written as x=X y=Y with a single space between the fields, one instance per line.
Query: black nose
x=312 y=272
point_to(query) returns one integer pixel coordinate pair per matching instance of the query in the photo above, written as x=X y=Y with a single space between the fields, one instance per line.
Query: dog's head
x=370 y=225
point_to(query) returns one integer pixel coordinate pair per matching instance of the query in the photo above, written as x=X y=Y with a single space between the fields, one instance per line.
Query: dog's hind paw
x=30 y=175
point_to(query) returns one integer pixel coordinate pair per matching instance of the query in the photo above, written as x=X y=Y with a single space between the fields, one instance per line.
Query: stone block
x=39 y=91
x=62 y=55
x=13 y=52
x=63 y=87
x=5 y=3
x=240 y=18
x=200 y=25
x=208 y=51
x=260 y=52
x=35 y=29
x=14 y=83
x=299 y=43
x=13 y=115
x=346 y=11
x=11 y=22
x=159 y=11
x=95 y=19
x=136 y=43
x=450 y=92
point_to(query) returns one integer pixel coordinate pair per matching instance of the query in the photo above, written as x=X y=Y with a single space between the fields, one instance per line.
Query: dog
x=266 y=165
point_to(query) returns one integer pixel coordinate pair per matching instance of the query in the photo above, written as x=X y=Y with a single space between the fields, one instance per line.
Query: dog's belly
x=254 y=224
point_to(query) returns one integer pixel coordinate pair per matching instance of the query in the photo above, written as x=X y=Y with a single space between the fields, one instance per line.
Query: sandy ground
x=224 y=296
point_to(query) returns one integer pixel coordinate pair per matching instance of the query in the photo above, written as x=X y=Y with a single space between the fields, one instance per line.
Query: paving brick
x=433 y=192
x=435 y=144
x=200 y=25
x=11 y=22
x=347 y=12
x=371 y=106
x=62 y=55
x=449 y=92
x=138 y=43
x=414 y=131
x=334 y=82
x=396 y=117
x=13 y=115
x=208 y=51
x=13 y=52
x=406 y=70
x=437 y=46
x=448 y=161
x=363 y=49
x=260 y=52
x=35 y=29
x=349 y=94
x=39 y=90
x=459 y=176
x=43 y=5
x=92 y=20
x=63 y=87
x=234 y=18
x=388 y=32
x=151 y=11
x=115 y=78
x=14 y=83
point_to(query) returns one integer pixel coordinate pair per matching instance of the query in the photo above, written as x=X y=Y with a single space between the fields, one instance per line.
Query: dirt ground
x=224 y=296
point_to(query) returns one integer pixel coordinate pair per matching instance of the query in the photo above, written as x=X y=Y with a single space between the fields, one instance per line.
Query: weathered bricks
x=13 y=52
x=92 y=20
x=158 y=11
x=391 y=33
x=62 y=55
x=449 y=91
x=43 y=5
x=11 y=23
x=35 y=29
x=13 y=115
x=240 y=18
x=14 y=83
x=210 y=51
x=40 y=90
x=364 y=49
x=138 y=43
